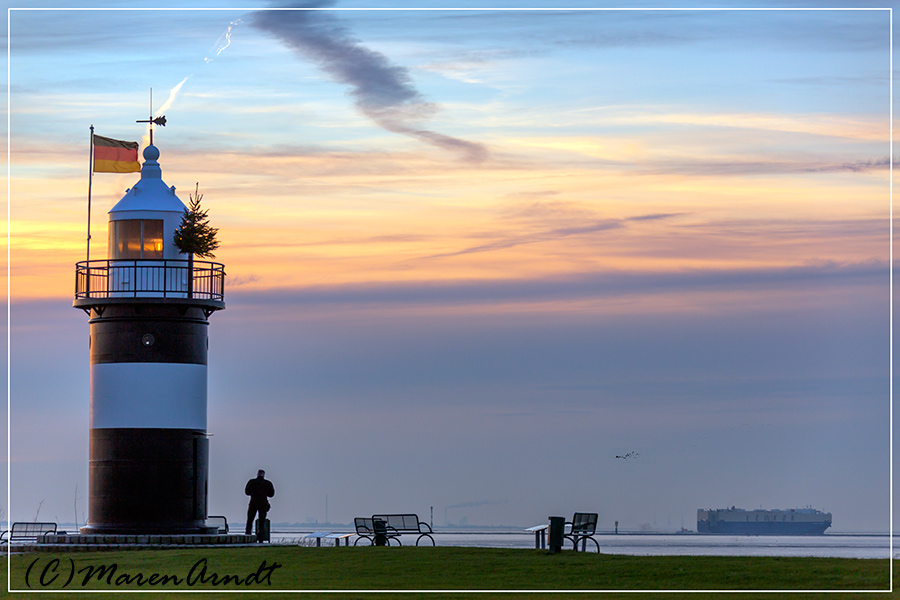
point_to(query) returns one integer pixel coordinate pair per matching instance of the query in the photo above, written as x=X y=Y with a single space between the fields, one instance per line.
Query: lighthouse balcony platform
x=122 y=280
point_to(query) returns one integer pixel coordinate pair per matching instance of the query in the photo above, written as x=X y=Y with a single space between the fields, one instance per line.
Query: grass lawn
x=271 y=568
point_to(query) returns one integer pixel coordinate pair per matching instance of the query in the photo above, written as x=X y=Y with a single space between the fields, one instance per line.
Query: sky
x=494 y=264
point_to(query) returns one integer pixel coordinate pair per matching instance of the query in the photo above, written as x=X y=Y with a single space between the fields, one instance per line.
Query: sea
x=838 y=545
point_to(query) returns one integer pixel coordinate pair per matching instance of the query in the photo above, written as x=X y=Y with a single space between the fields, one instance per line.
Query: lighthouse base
x=63 y=543
x=146 y=529
x=148 y=481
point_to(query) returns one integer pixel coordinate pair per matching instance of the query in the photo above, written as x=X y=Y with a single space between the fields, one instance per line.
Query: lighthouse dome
x=150 y=192
x=143 y=223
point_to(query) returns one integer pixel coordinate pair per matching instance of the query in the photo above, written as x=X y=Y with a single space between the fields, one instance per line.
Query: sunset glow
x=674 y=225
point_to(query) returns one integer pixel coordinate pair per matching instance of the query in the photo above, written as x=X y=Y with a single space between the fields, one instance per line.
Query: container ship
x=737 y=521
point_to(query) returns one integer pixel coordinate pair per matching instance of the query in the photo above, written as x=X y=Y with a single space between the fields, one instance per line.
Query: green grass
x=445 y=568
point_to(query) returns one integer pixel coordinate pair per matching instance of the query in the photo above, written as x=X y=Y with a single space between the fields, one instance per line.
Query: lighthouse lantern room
x=149 y=309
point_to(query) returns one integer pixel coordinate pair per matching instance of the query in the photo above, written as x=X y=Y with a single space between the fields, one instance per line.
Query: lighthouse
x=149 y=309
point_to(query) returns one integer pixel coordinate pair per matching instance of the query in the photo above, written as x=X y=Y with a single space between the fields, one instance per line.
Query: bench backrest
x=219 y=522
x=364 y=525
x=31 y=530
x=584 y=523
x=400 y=522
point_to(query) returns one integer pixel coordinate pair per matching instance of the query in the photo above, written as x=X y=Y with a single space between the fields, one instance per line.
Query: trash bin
x=557 y=533
x=380 y=528
x=262 y=530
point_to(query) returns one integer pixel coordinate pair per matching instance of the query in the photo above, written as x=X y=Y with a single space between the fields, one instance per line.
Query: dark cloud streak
x=541 y=236
x=577 y=287
x=595 y=226
x=383 y=92
x=757 y=167
x=854 y=167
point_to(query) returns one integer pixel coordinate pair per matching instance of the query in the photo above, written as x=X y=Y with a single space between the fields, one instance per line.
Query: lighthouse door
x=201 y=469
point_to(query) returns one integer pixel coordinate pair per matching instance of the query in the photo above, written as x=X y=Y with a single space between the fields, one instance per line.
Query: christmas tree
x=195 y=236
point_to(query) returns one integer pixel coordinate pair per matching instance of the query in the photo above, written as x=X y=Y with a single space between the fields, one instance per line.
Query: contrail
x=173 y=93
x=384 y=92
x=223 y=42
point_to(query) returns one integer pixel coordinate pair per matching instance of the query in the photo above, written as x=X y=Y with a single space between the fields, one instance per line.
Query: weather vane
x=160 y=120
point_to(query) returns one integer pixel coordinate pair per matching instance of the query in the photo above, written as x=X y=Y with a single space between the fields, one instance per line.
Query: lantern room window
x=136 y=238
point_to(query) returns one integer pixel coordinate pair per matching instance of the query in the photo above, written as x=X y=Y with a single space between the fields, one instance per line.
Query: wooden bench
x=581 y=529
x=395 y=525
x=399 y=524
x=27 y=532
x=219 y=522
x=365 y=530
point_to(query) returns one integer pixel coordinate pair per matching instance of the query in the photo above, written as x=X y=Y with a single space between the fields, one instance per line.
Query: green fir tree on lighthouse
x=195 y=236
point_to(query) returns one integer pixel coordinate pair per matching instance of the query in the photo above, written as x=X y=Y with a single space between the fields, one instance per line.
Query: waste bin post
x=262 y=530
x=379 y=526
x=557 y=533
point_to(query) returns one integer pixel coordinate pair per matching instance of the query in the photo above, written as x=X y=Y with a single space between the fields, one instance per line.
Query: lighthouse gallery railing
x=149 y=278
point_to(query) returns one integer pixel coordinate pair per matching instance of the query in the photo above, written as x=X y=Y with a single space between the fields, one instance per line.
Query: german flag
x=115 y=156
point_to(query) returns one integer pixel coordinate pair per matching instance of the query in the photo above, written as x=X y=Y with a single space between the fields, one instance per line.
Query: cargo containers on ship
x=737 y=521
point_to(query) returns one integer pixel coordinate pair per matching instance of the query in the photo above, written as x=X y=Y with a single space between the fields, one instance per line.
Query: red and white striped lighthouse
x=149 y=310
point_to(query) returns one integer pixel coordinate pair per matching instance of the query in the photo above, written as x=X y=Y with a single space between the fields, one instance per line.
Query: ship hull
x=763 y=522
x=738 y=528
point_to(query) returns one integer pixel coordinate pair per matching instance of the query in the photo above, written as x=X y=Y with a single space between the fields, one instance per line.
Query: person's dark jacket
x=260 y=490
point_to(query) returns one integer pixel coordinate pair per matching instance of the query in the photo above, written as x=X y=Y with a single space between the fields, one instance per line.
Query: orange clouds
x=543 y=205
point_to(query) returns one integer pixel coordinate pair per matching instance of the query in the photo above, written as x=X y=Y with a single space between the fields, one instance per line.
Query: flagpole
x=87 y=274
x=90 y=182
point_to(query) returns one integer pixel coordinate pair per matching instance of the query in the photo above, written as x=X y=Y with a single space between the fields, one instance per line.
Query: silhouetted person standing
x=260 y=490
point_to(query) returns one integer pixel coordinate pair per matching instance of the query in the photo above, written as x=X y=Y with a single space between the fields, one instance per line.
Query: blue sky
x=474 y=256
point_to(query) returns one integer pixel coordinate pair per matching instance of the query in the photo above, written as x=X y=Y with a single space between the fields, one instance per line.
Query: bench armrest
x=425 y=525
x=3 y=534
